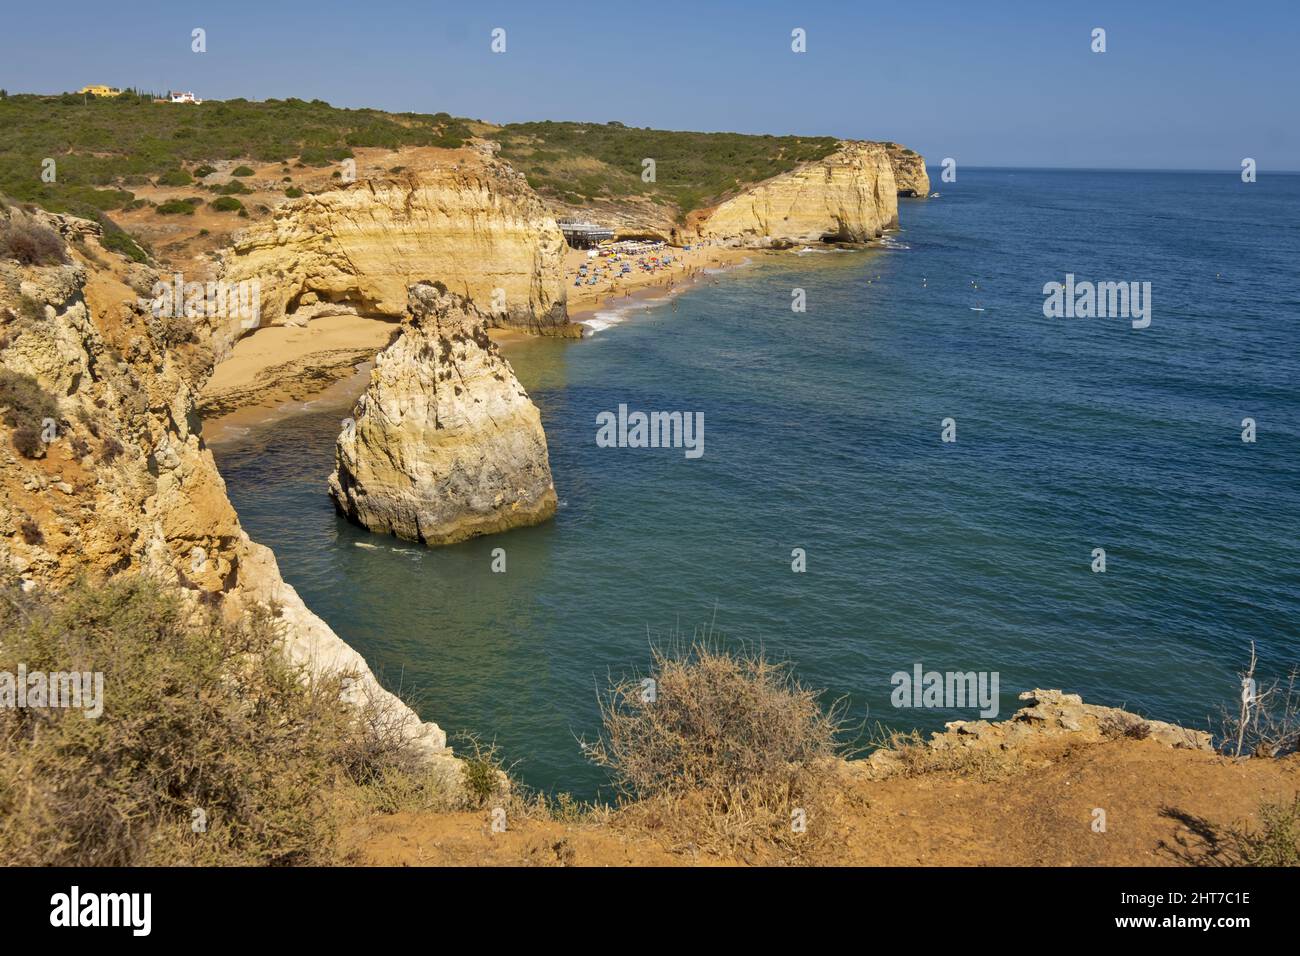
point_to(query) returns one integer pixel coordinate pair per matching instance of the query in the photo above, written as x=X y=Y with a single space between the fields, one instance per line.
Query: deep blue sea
x=823 y=432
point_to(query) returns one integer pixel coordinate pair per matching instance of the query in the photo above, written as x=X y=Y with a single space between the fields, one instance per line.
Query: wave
x=618 y=314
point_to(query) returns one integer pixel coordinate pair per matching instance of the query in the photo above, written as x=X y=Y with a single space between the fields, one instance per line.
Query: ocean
x=823 y=431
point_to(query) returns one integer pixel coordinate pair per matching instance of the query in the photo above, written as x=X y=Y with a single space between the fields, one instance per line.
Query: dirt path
x=1162 y=807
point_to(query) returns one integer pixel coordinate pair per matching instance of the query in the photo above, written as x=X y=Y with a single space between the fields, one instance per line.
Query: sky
x=1181 y=85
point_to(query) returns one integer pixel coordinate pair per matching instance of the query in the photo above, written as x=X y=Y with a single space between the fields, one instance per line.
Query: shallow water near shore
x=822 y=432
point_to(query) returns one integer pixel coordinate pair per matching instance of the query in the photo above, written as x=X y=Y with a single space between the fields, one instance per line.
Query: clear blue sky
x=1183 y=85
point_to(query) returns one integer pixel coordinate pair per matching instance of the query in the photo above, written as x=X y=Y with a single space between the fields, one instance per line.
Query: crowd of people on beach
x=606 y=266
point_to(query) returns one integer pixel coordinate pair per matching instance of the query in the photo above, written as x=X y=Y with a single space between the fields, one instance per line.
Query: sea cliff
x=475 y=226
x=850 y=196
x=103 y=470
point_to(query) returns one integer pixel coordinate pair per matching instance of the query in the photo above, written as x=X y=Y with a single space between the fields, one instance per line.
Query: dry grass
x=212 y=747
x=917 y=757
x=721 y=751
x=1277 y=840
x=30 y=243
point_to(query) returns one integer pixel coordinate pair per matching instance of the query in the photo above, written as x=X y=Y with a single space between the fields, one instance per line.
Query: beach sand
x=278 y=369
x=686 y=270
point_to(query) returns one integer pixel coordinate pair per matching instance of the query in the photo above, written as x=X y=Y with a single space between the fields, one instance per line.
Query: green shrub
x=481 y=771
x=204 y=170
x=242 y=171
x=692 y=169
x=233 y=188
x=1277 y=841
x=102 y=142
x=226 y=204
x=174 y=207
x=116 y=240
x=175 y=177
x=293 y=192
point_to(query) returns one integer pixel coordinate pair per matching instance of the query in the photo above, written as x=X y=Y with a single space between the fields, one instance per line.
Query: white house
x=183 y=98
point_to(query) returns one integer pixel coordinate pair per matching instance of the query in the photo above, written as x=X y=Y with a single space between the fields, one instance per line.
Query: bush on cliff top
x=729 y=737
x=206 y=726
x=29 y=242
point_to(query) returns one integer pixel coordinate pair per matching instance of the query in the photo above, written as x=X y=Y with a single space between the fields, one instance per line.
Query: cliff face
x=118 y=480
x=445 y=444
x=477 y=227
x=909 y=171
x=850 y=196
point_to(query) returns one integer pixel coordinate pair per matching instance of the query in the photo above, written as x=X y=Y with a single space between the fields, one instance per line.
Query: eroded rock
x=445 y=444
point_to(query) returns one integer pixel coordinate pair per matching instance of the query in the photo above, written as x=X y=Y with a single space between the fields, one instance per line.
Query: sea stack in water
x=445 y=444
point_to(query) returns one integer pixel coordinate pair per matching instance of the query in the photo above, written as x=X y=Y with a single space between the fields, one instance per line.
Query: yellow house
x=98 y=90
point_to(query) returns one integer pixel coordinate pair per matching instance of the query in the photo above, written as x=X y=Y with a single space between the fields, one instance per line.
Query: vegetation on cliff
x=211 y=748
x=726 y=747
x=102 y=146
x=578 y=162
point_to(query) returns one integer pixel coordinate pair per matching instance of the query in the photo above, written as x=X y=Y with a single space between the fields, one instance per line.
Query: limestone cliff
x=850 y=196
x=909 y=171
x=102 y=469
x=444 y=444
x=476 y=226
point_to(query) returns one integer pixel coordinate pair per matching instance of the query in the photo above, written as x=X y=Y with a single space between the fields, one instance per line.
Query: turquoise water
x=822 y=432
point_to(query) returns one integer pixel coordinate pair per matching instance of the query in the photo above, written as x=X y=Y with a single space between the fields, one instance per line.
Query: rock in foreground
x=445 y=444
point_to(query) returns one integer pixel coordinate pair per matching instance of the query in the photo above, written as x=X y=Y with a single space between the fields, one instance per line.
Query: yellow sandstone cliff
x=850 y=196
x=445 y=444
x=477 y=227
x=909 y=171
x=102 y=469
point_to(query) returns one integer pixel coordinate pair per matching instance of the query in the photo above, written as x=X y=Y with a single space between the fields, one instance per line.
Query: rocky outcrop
x=445 y=444
x=121 y=481
x=909 y=171
x=849 y=196
x=1048 y=714
x=476 y=226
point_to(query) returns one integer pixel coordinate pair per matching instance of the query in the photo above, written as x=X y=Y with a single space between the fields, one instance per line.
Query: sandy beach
x=277 y=369
x=687 y=268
